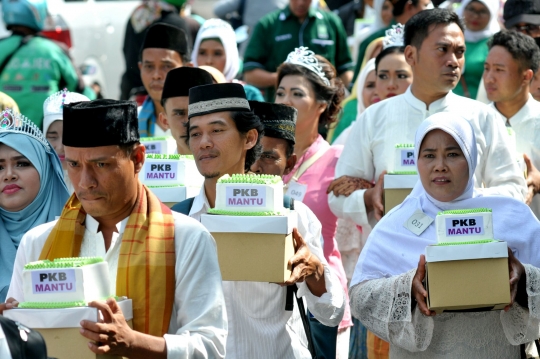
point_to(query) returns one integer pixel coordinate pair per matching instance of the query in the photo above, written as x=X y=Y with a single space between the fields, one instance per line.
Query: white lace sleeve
x=522 y=325
x=384 y=307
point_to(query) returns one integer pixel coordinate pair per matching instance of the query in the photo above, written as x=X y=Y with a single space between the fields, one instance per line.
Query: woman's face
x=369 y=93
x=386 y=12
x=19 y=178
x=54 y=136
x=394 y=76
x=297 y=91
x=443 y=168
x=476 y=16
x=212 y=53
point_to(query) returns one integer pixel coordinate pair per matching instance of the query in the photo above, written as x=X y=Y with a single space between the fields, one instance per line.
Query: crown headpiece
x=17 y=123
x=394 y=37
x=304 y=57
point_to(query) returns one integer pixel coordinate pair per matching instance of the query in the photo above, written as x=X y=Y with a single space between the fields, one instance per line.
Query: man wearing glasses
x=523 y=16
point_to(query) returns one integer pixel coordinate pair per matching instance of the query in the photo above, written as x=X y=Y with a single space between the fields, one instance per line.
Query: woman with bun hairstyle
x=308 y=83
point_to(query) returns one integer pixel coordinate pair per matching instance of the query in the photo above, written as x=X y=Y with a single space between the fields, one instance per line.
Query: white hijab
x=391 y=249
x=493 y=25
x=377 y=24
x=219 y=29
x=360 y=83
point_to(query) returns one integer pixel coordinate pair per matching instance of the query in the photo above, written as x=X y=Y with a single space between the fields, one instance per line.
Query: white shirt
x=198 y=326
x=259 y=326
x=526 y=125
x=370 y=148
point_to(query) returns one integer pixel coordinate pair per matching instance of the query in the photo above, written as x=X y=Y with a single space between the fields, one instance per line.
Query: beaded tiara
x=17 y=123
x=304 y=57
x=394 y=37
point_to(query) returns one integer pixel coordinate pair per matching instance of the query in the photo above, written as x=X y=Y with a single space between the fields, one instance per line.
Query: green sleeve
x=257 y=50
x=68 y=72
x=343 y=56
x=347 y=118
x=253 y=93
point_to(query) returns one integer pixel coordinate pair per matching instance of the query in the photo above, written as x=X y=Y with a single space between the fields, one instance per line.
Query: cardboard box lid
x=400 y=181
x=250 y=224
x=497 y=249
x=62 y=318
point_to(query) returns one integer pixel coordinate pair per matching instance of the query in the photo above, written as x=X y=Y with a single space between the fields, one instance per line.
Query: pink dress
x=318 y=177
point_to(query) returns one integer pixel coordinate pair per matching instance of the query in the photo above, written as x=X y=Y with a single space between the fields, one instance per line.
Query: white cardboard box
x=173 y=195
x=253 y=248
x=469 y=276
x=396 y=189
x=60 y=328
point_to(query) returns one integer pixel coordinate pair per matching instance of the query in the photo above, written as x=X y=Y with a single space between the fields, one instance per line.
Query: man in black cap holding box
x=224 y=136
x=165 y=262
x=175 y=100
x=165 y=48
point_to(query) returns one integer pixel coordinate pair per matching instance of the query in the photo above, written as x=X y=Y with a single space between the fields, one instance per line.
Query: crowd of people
x=302 y=100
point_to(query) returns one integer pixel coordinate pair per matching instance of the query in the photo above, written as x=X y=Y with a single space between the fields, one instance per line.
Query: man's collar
x=200 y=203
x=420 y=105
x=92 y=224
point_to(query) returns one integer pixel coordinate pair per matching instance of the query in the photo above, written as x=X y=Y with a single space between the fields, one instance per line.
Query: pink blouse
x=318 y=177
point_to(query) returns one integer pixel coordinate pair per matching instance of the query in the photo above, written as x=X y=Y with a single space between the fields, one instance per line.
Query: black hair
x=387 y=51
x=522 y=47
x=399 y=6
x=246 y=121
x=332 y=95
x=418 y=27
x=128 y=148
x=290 y=149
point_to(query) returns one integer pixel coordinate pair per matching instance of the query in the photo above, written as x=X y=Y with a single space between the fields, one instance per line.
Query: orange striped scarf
x=147 y=257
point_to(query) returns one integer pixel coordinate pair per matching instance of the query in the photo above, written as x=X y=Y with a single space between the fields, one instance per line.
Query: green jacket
x=37 y=70
x=279 y=33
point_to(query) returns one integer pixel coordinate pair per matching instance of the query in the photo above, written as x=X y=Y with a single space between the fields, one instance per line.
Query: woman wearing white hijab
x=215 y=46
x=481 y=23
x=388 y=275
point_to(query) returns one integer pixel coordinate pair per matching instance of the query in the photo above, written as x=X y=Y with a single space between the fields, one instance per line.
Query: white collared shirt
x=370 y=148
x=198 y=326
x=526 y=125
x=259 y=326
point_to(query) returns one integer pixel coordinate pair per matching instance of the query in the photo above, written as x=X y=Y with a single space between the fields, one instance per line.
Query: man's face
x=300 y=8
x=528 y=29
x=175 y=117
x=104 y=178
x=217 y=146
x=273 y=160
x=154 y=66
x=438 y=63
x=503 y=77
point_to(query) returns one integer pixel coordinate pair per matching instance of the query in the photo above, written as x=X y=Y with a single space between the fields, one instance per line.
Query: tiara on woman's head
x=17 y=123
x=394 y=37
x=304 y=57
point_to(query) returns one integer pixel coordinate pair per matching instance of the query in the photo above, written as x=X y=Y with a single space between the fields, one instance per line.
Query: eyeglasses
x=479 y=13
x=529 y=29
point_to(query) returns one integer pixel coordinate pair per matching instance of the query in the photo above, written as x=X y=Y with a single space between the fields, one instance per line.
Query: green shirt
x=475 y=56
x=280 y=32
x=36 y=71
x=364 y=45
